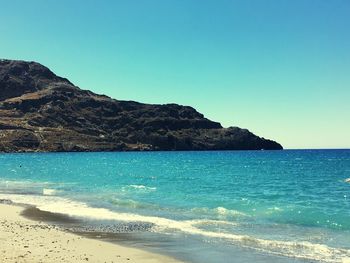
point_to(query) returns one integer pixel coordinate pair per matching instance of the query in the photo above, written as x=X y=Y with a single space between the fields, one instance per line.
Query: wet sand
x=24 y=240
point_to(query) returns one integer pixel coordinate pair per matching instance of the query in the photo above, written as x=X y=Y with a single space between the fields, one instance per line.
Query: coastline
x=194 y=207
x=25 y=240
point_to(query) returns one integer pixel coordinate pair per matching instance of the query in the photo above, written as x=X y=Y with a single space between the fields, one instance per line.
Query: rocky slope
x=40 y=111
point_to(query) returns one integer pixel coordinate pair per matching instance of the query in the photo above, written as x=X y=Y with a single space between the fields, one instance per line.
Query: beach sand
x=24 y=240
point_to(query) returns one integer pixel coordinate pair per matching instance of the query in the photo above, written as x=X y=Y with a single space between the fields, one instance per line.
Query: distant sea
x=223 y=206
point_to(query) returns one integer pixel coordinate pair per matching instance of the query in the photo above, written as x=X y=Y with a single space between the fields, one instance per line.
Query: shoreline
x=26 y=240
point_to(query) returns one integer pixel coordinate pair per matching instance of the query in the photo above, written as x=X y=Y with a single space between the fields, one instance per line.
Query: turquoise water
x=282 y=206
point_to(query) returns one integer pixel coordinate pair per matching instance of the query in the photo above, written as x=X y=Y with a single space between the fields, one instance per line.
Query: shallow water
x=245 y=206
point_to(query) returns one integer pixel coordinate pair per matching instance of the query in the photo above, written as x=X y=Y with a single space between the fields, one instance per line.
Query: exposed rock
x=40 y=111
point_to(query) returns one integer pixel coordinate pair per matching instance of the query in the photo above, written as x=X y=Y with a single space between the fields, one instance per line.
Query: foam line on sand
x=24 y=240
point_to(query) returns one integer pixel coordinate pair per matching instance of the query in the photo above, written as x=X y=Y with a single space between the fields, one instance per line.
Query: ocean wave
x=48 y=191
x=219 y=212
x=25 y=184
x=305 y=250
x=138 y=187
x=206 y=222
x=129 y=203
x=22 y=183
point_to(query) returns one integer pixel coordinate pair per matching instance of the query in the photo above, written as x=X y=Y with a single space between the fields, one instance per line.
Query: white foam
x=210 y=222
x=139 y=187
x=23 y=183
x=48 y=191
x=305 y=250
x=224 y=211
x=219 y=211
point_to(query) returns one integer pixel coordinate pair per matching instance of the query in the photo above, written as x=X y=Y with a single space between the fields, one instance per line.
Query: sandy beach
x=24 y=240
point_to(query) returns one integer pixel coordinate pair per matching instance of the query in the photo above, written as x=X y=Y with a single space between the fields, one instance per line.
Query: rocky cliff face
x=40 y=111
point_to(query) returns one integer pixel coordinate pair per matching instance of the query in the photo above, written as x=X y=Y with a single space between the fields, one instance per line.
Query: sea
x=208 y=206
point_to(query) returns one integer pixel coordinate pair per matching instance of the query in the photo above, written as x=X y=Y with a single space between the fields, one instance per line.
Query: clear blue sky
x=279 y=68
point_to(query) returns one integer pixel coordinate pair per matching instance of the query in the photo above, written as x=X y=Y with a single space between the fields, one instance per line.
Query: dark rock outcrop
x=40 y=111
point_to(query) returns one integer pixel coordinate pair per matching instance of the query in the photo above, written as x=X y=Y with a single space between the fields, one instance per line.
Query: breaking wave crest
x=220 y=212
x=139 y=187
x=306 y=250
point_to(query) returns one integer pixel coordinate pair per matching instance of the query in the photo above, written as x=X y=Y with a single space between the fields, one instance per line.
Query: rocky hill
x=40 y=111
